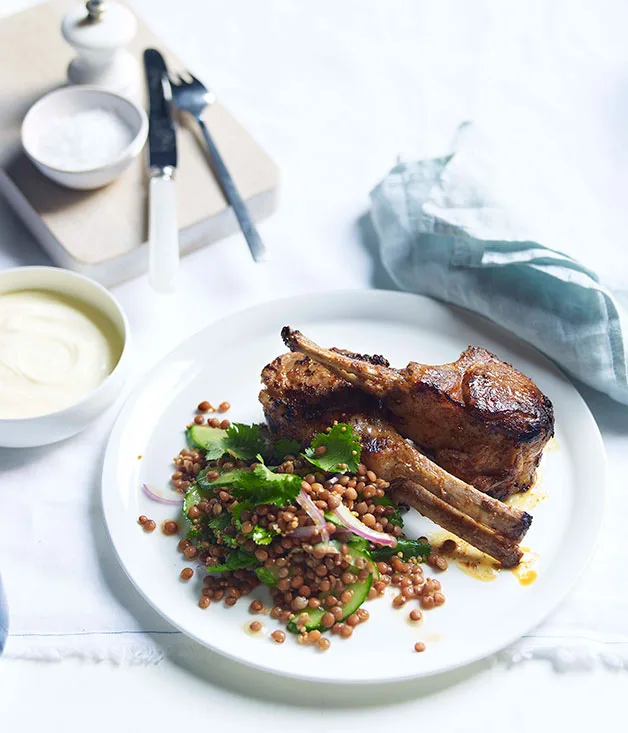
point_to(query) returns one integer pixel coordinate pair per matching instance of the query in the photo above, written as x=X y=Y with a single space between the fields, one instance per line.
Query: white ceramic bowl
x=69 y=101
x=43 y=429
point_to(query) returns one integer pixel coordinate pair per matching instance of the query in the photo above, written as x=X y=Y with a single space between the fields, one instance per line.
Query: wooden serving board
x=103 y=233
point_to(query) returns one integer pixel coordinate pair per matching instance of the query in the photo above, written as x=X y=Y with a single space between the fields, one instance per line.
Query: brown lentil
x=439 y=598
x=255 y=626
x=142 y=519
x=438 y=562
x=149 y=525
x=323 y=644
x=313 y=636
x=186 y=573
x=224 y=406
x=278 y=636
x=199 y=420
x=204 y=406
x=170 y=527
x=415 y=615
x=399 y=601
x=327 y=620
x=419 y=646
x=204 y=602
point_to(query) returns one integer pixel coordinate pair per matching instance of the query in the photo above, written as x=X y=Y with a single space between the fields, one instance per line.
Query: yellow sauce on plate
x=467 y=558
x=531 y=498
x=524 y=571
x=480 y=566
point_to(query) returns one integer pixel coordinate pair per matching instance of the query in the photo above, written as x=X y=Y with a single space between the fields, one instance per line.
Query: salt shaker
x=100 y=30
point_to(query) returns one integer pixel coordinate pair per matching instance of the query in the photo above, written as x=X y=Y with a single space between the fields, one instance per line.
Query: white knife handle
x=163 y=233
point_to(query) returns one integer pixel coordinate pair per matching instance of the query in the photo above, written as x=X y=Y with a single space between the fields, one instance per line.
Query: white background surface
x=335 y=90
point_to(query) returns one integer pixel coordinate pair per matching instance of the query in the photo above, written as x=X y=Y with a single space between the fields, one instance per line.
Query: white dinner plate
x=223 y=362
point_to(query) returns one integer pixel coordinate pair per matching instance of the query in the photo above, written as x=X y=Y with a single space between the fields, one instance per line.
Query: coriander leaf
x=237 y=510
x=244 y=441
x=217 y=525
x=194 y=532
x=284 y=447
x=215 y=449
x=262 y=535
x=268 y=576
x=235 y=561
x=192 y=498
x=408 y=548
x=342 y=450
x=261 y=486
x=395 y=518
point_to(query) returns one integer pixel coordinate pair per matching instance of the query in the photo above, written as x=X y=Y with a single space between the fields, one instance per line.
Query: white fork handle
x=163 y=234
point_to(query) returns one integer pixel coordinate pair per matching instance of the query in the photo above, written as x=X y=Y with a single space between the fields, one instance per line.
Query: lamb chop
x=302 y=398
x=478 y=417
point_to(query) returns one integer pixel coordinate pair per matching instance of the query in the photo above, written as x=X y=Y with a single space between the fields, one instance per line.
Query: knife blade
x=162 y=137
x=163 y=235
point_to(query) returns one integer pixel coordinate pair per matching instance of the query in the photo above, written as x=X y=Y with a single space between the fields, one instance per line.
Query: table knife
x=163 y=234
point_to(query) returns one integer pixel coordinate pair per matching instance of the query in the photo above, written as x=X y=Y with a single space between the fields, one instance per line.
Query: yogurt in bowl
x=63 y=354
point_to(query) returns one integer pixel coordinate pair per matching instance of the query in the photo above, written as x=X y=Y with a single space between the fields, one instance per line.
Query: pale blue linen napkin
x=440 y=236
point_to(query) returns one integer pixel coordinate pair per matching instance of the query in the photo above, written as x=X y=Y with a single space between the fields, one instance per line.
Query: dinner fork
x=190 y=95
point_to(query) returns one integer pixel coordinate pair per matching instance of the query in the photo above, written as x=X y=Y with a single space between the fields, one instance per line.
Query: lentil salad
x=311 y=523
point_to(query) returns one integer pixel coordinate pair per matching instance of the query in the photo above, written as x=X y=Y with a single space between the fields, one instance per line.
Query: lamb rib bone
x=476 y=534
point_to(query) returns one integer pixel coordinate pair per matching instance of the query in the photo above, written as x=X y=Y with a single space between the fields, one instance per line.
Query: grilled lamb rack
x=302 y=398
x=478 y=417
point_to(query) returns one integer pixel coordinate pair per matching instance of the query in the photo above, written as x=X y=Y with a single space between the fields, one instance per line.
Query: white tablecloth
x=335 y=90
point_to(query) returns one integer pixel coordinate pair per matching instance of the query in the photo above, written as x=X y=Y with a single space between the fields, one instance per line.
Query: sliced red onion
x=315 y=514
x=357 y=527
x=161 y=499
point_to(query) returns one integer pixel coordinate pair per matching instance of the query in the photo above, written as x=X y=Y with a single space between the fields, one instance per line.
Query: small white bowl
x=27 y=432
x=69 y=101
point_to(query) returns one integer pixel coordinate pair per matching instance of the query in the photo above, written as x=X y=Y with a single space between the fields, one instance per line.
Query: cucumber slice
x=202 y=436
x=360 y=591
